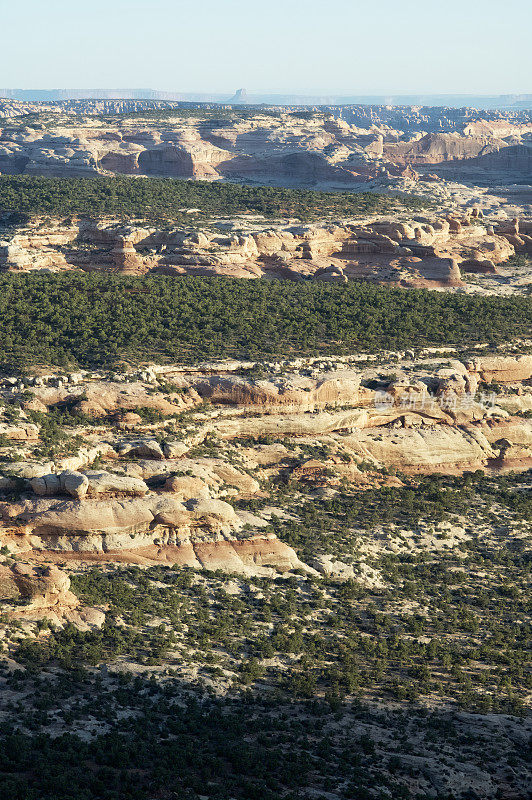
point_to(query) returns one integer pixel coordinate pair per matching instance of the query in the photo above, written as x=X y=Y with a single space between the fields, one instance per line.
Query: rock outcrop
x=32 y=592
x=41 y=587
x=502 y=369
x=334 y=146
x=425 y=252
x=171 y=491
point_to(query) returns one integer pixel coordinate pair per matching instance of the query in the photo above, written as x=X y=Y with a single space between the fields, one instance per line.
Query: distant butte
x=240 y=96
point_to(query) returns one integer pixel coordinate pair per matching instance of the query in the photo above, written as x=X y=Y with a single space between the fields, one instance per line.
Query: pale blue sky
x=310 y=46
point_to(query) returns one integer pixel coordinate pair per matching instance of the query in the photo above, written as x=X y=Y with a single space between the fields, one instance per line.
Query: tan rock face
x=437 y=147
x=45 y=592
x=163 y=498
x=502 y=369
x=285 y=149
x=301 y=394
x=187 y=487
x=104 y=398
x=441 y=449
x=42 y=587
x=19 y=432
x=200 y=533
x=279 y=147
x=254 y=555
x=401 y=252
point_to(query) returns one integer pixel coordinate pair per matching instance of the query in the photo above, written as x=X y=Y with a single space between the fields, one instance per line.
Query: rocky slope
x=349 y=531
x=178 y=541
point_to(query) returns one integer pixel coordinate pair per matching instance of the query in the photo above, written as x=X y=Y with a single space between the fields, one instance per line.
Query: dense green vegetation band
x=168 y=198
x=95 y=319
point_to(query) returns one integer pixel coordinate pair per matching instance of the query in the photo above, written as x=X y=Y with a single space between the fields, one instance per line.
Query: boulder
x=478 y=265
x=216 y=514
x=43 y=587
x=175 y=449
x=74 y=483
x=187 y=487
x=331 y=568
x=108 y=483
x=146 y=448
x=46 y=485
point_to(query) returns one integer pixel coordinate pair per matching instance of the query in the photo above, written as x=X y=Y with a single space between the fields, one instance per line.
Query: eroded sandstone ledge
x=426 y=251
x=165 y=491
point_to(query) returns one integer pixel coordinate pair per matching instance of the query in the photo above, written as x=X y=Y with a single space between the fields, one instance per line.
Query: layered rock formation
x=332 y=146
x=279 y=149
x=166 y=491
x=426 y=251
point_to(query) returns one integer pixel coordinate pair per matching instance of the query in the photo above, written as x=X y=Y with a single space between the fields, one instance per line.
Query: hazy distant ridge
x=449 y=100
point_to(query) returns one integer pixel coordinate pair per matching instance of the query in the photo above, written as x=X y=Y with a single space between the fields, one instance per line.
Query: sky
x=272 y=46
